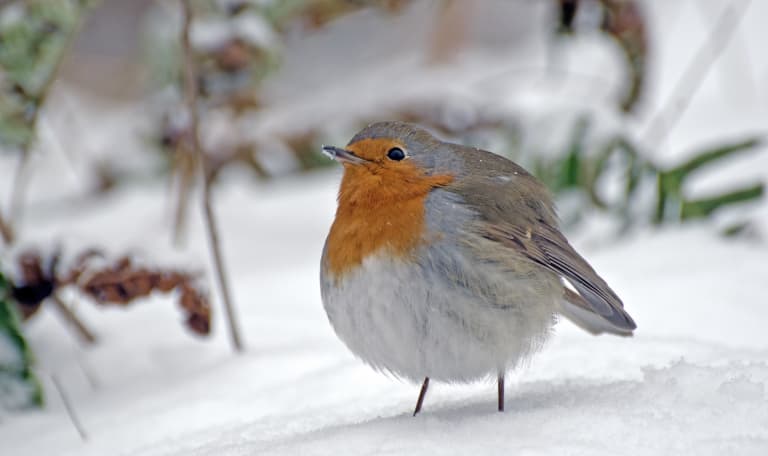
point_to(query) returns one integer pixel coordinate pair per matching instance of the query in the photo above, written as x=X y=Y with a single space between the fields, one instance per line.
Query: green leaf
x=32 y=44
x=672 y=204
x=569 y=173
x=19 y=386
x=704 y=207
x=709 y=156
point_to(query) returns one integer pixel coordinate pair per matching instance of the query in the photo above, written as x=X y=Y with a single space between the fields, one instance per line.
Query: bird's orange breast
x=380 y=210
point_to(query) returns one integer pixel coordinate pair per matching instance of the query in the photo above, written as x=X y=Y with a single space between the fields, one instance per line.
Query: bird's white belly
x=415 y=322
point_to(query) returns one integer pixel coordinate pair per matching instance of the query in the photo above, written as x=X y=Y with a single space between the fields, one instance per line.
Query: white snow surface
x=692 y=380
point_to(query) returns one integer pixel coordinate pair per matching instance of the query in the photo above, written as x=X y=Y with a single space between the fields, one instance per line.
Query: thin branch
x=68 y=407
x=88 y=374
x=5 y=231
x=70 y=317
x=221 y=274
x=666 y=118
x=185 y=168
x=17 y=190
x=449 y=34
x=190 y=98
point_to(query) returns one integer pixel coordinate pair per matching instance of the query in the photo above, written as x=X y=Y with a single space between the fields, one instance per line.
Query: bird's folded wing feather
x=518 y=214
x=546 y=246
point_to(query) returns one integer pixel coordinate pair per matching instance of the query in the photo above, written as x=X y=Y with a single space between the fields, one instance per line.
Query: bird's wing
x=578 y=310
x=547 y=247
x=517 y=212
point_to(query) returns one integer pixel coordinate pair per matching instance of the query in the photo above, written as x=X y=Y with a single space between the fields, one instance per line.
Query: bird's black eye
x=395 y=154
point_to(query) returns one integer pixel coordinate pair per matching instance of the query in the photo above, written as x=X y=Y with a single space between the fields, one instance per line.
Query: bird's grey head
x=384 y=142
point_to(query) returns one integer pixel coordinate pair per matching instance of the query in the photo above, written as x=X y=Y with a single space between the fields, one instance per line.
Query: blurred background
x=131 y=131
x=615 y=104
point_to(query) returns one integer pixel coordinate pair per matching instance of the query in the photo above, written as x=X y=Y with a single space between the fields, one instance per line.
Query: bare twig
x=70 y=317
x=190 y=98
x=5 y=231
x=449 y=33
x=68 y=407
x=17 y=188
x=185 y=170
x=88 y=374
x=666 y=118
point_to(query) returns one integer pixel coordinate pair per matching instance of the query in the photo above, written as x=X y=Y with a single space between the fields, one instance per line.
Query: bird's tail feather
x=578 y=311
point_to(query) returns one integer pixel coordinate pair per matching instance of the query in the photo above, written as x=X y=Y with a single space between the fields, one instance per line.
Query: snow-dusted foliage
x=692 y=380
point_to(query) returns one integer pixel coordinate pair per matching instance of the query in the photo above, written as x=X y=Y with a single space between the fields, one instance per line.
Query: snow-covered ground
x=692 y=380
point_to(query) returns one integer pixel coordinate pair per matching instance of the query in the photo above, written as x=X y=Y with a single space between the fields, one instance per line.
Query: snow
x=692 y=380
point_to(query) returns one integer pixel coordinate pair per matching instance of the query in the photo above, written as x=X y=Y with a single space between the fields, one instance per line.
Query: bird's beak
x=342 y=155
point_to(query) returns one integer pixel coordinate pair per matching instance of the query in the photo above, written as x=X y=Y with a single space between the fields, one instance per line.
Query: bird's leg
x=422 y=393
x=501 y=392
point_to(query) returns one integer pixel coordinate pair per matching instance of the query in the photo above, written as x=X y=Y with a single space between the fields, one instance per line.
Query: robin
x=446 y=262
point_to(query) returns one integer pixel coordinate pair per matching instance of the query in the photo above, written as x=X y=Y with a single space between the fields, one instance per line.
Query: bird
x=446 y=262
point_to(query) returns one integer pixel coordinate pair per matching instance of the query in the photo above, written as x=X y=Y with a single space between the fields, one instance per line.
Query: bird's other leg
x=501 y=392
x=422 y=393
